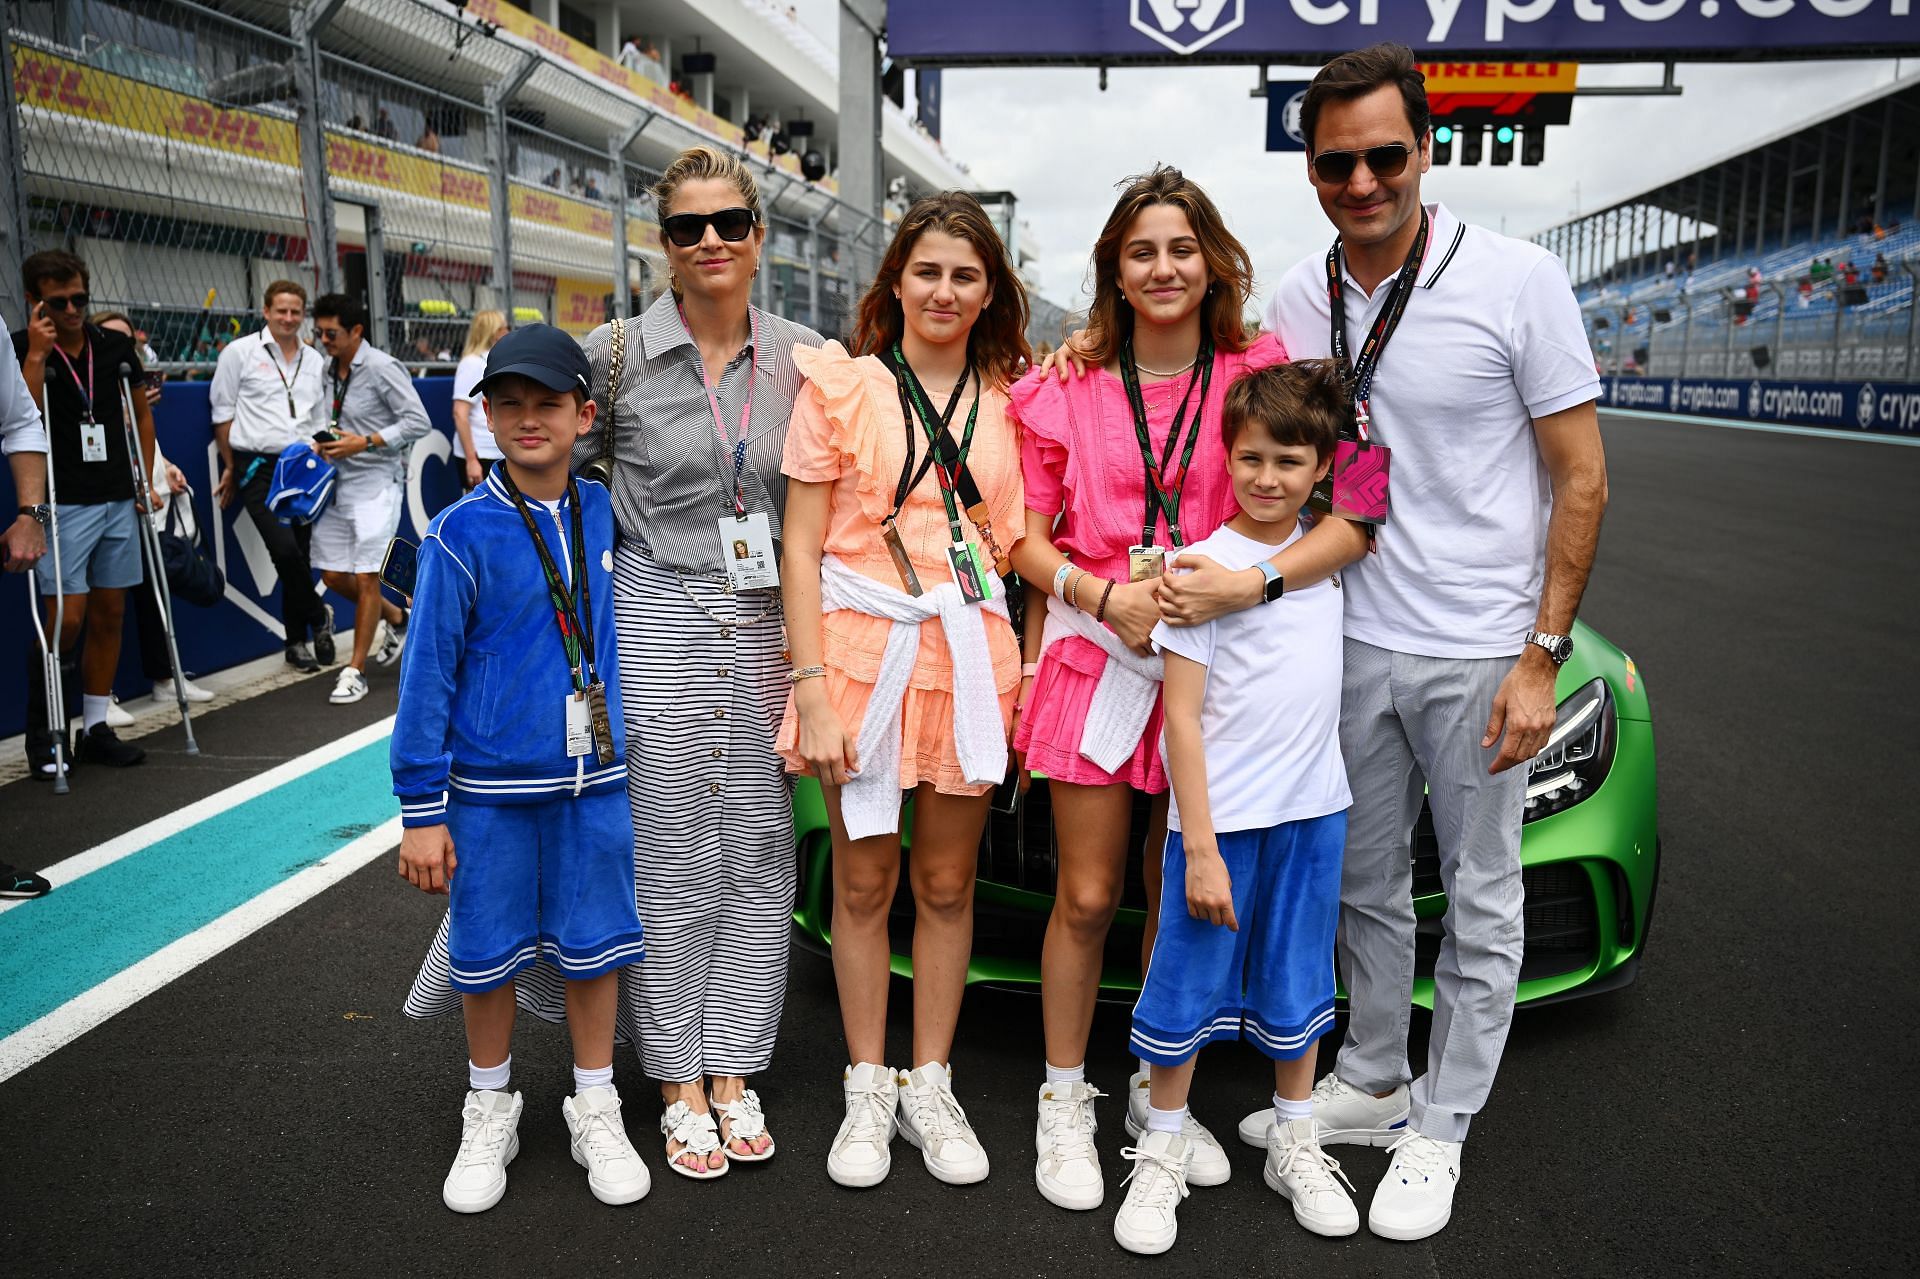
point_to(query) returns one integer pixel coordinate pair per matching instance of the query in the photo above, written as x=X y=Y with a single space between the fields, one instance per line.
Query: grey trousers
x=1410 y=723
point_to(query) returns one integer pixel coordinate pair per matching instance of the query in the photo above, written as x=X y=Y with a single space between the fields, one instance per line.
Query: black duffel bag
x=191 y=573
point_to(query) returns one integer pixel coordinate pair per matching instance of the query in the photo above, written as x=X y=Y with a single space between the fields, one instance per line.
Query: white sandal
x=745 y=1121
x=697 y=1135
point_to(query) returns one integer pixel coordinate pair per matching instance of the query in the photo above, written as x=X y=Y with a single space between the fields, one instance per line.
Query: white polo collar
x=1444 y=234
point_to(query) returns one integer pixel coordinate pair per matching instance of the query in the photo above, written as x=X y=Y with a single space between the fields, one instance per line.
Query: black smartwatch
x=1275 y=585
x=42 y=513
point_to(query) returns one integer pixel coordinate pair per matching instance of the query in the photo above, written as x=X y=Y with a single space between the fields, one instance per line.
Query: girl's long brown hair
x=1223 y=312
x=997 y=346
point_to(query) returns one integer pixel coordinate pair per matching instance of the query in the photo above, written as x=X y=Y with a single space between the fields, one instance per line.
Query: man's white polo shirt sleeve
x=224 y=393
x=1552 y=361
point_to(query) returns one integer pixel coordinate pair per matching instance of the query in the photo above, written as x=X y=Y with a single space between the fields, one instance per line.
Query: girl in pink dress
x=1120 y=467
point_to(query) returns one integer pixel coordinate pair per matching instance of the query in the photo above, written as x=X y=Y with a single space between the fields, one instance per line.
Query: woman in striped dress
x=700 y=421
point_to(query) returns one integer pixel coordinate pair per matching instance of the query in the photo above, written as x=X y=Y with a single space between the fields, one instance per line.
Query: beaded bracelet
x=1074 y=591
x=806 y=672
x=1100 y=614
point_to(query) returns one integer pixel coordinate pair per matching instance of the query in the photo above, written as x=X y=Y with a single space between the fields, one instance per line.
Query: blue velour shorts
x=1273 y=979
x=551 y=880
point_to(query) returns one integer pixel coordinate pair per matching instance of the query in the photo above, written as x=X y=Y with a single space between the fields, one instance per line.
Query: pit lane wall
x=246 y=624
x=1875 y=408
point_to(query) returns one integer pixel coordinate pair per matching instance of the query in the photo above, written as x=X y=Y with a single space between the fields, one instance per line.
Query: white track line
x=65 y=872
x=130 y=985
x=1736 y=424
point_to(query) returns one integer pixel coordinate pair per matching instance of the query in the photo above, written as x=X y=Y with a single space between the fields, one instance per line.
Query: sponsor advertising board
x=1886 y=408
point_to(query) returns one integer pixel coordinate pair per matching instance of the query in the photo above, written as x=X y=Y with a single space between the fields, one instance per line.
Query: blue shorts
x=99 y=547
x=1274 y=977
x=551 y=880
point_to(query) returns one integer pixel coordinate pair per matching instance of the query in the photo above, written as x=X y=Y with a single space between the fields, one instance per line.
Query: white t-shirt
x=472 y=369
x=1491 y=340
x=1270 y=722
x=251 y=386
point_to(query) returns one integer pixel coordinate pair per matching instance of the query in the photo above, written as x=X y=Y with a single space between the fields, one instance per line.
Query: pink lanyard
x=738 y=449
x=74 y=373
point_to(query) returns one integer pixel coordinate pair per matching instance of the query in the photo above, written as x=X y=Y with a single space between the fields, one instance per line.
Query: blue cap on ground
x=543 y=353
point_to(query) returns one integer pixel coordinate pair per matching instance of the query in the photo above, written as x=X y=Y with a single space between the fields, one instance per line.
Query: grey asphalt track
x=1745 y=1108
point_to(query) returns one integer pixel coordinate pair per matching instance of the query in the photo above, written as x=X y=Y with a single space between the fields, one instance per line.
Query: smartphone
x=325 y=437
x=1006 y=796
x=401 y=566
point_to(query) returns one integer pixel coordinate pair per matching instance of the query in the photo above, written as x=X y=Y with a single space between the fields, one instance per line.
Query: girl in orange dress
x=904 y=491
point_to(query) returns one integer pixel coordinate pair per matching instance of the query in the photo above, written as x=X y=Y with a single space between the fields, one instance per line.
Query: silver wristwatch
x=1559 y=647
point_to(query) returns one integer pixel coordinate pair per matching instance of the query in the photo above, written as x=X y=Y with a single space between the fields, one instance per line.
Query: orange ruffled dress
x=847 y=431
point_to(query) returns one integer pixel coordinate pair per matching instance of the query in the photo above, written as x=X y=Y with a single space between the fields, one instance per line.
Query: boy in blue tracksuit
x=508 y=761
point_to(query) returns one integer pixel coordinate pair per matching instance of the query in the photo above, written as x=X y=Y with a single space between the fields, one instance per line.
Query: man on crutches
x=70 y=369
x=23 y=440
x=143 y=494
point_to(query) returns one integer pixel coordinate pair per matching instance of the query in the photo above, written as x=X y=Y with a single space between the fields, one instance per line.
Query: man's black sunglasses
x=688 y=229
x=75 y=301
x=1389 y=161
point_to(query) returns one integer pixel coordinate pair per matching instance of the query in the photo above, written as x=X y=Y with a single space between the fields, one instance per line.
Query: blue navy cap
x=542 y=353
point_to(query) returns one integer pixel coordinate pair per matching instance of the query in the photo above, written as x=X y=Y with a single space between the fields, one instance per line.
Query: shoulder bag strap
x=616 y=368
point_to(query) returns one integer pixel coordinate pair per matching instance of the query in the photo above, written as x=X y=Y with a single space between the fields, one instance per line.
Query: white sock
x=1067 y=1074
x=1286 y=1109
x=1164 y=1120
x=93 y=710
x=1146 y=1067
x=583 y=1079
x=490 y=1077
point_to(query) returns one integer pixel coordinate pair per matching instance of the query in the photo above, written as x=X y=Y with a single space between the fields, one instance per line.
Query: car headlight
x=1576 y=758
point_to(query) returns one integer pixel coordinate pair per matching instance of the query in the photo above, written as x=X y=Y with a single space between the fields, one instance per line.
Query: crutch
x=56 y=691
x=150 y=540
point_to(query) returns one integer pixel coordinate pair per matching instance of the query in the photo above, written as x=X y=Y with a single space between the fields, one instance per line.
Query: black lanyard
x=339 y=384
x=909 y=477
x=1163 y=495
x=569 y=607
x=1360 y=372
x=86 y=392
x=273 y=357
x=949 y=463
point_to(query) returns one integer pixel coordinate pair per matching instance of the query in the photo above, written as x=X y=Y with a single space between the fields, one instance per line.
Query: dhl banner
x=579 y=306
x=72 y=88
x=1500 y=77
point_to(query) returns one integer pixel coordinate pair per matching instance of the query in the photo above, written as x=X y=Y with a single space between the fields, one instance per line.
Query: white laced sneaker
x=932 y=1120
x=1415 y=1198
x=1068 y=1168
x=697 y=1134
x=1347 y=1116
x=349 y=686
x=859 y=1156
x=388 y=641
x=164 y=693
x=1207 y=1165
x=1302 y=1173
x=745 y=1121
x=489 y=1139
x=117 y=715
x=614 y=1171
x=1155 y=1188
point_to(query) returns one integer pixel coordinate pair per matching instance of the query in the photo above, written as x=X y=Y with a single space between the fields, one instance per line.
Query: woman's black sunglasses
x=688 y=229
x=1389 y=161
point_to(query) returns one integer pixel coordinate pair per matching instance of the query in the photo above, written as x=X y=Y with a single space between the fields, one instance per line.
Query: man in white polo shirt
x=264 y=391
x=1456 y=626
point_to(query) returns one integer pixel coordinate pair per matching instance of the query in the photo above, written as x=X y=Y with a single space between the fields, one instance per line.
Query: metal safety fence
x=435 y=158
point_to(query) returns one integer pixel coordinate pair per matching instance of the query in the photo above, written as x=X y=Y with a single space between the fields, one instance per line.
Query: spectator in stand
x=1753 y=284
x=264 y=392
x=73 y=368
x=1805 y=294
x=429 y=140
x=553 y=179
x=1879 y=268
x=383 y=126
x=1671 y=268
x=630 y=55
x=592 y=189
x=1849 y=273
x=166 y=480
x=368 y=420
x=473 y=441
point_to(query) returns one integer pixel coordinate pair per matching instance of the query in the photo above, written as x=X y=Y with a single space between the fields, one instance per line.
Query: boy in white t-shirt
x=1257 y=822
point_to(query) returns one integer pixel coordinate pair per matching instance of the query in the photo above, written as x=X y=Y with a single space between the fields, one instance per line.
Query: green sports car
x=1590 y=857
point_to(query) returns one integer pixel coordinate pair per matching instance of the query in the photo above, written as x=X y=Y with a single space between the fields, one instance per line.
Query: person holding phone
x=73 y=369
x=904 y=498
x=264 y=393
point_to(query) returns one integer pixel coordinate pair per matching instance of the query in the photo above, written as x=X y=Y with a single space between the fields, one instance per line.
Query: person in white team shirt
x=473 y=441
x=1455 y=628
x=1251 y=874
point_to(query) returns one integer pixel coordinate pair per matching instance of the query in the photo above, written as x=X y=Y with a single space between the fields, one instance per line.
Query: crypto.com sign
x=1172 y=31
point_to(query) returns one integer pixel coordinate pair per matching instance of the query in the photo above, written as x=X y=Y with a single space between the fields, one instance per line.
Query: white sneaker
x=1207 y=1164
x=489 y=1139
x=1301 y=1172
x=350 y=686
x=163 y=692
x=388 y=641
x=1415 y=1198
x=932 y=1120
x=1347 y=1116
x=614 y=1171
x=1155 y=1188
x=1068 y=1168
x=859 y=1156
x=117 y=715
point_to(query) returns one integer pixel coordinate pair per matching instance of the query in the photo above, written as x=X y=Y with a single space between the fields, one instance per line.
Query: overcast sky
x=1060 y=144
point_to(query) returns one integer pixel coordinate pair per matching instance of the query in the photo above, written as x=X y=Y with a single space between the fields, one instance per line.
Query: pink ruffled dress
x=1081 y=462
